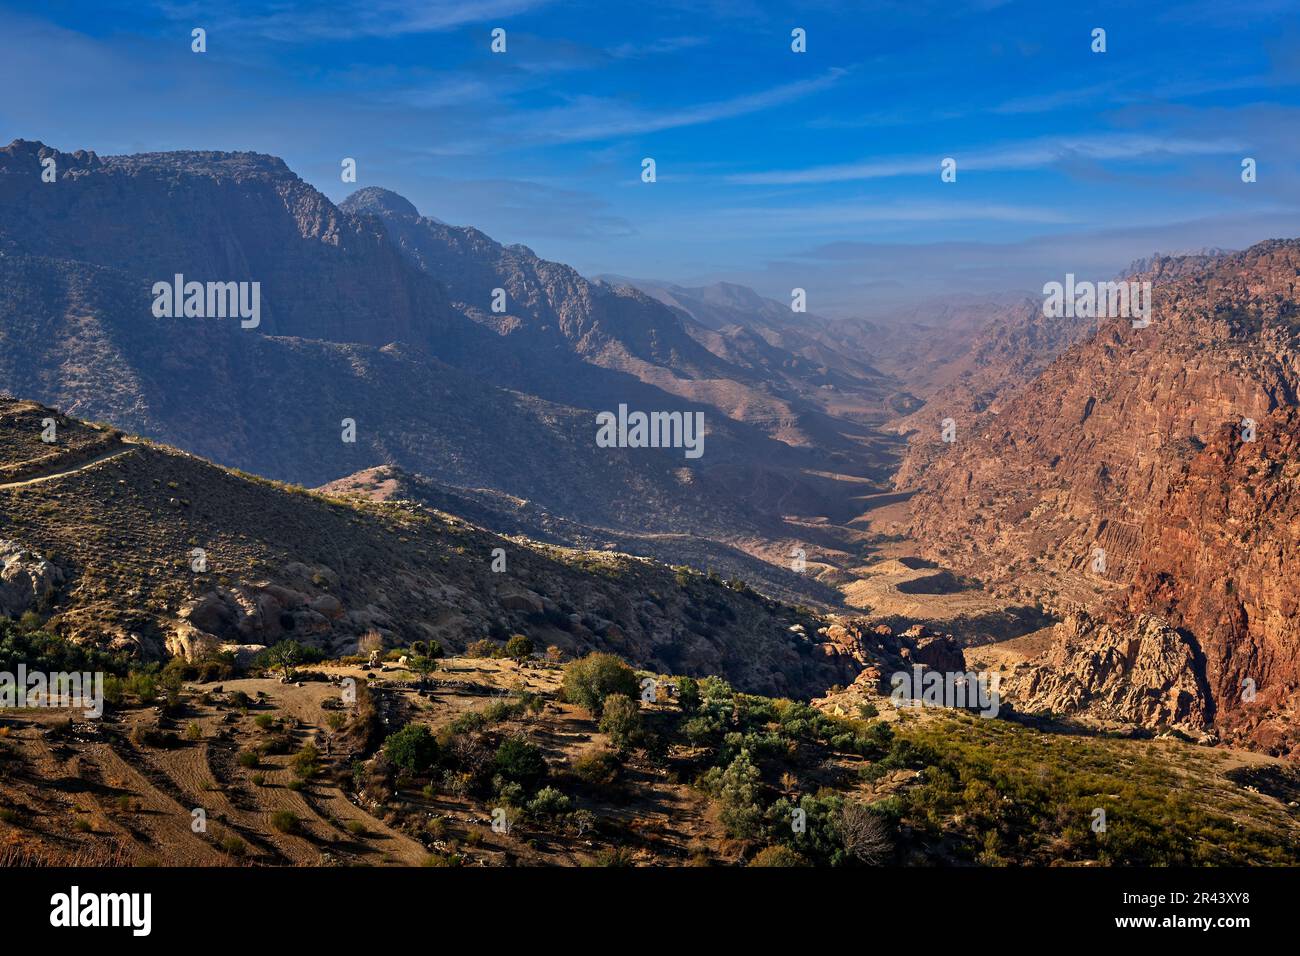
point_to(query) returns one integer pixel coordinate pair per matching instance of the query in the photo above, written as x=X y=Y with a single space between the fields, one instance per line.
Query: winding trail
x=109 y=455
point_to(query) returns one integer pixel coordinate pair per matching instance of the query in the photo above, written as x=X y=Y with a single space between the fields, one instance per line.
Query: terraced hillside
x=491 y=762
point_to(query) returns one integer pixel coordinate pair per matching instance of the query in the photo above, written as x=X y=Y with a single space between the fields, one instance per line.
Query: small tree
x=519 y=647
x=587 y=682
x=424 y=658
x=621 y=719
x=865 y=834
x=412 y=748
x=520 y=762
x=283 y=656
x=688 y=694
x=736 y=789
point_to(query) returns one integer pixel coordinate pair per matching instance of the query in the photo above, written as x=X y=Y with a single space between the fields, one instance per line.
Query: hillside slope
x=282 y=562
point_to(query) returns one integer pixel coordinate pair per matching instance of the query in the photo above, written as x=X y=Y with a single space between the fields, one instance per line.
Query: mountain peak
x=377 y=201
x=33 y=150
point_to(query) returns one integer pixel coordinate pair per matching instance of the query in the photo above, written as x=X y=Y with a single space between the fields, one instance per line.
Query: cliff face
x=1142 y=672
x=324 y=273
x=1122 y=469
x=1219 y=560
x=1075 y=461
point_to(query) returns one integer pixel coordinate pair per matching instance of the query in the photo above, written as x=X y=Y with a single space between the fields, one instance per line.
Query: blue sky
x=775 y=169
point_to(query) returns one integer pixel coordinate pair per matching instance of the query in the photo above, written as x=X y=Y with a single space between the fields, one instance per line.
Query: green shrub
x=598 y=768
x=549 y=802
x=688 y=694
x=519 y=761
x=621 y=720
x=587 y=682
x=519 y=647
x=484 y=648
x=777 y=855
x=617 y=856
x=306 y=762
x=413 y=748
x=500 y=710
x=468 y=722
x=233 y=846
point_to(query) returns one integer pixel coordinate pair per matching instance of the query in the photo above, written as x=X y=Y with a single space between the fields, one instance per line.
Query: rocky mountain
x=374 y=315
x=1131 y=467
x=601 y=335
x=226 y=217
x=809 y=355
x=966 y=359
x=978 y=359
x=514 y=516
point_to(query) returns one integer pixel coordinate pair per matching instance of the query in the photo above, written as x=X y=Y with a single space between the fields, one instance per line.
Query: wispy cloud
x=658 y=47
x=298 y=21
x=1030 y=154
x=596 y=118
x=1146 y=92
x=511 y=208
x=876 y=278
x=814 y=216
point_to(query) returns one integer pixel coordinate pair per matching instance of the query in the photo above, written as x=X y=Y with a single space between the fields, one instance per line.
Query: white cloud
x=1030 y=154
x=594 y=118
x=373 y=18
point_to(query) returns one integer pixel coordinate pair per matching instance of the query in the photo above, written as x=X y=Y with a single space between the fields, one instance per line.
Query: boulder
x=27 y=580
x=520 y=599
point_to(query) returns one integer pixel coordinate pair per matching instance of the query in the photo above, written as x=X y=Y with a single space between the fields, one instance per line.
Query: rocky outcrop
x=27 y=580
x=1143 y=673
x=878 y=652
x=1219 y=560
